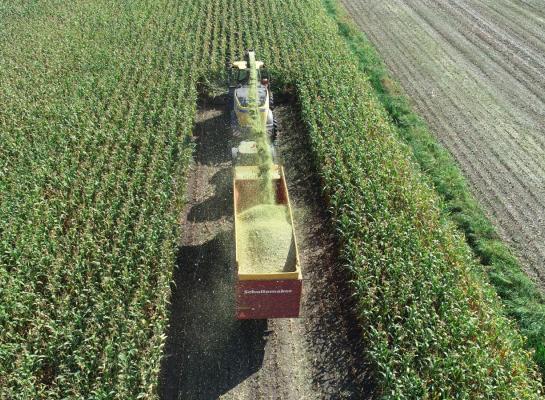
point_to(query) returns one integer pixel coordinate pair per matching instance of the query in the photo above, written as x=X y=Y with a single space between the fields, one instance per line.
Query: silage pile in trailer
x=265 y=236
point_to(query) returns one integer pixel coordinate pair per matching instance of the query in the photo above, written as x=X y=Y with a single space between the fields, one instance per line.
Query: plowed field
x=475 y=71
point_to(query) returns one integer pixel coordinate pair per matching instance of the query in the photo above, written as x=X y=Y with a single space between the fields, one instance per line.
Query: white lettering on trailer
x=267 y=291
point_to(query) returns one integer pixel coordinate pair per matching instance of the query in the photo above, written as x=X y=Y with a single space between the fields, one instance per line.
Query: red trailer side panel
x=268 y=299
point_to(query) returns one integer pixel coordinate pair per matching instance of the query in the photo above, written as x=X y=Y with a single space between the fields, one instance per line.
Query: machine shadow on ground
x=217 y=206
x=212 y=135
x=207 y=351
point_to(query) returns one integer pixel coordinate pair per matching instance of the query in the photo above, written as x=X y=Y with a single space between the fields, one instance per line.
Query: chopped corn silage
x=264 y=236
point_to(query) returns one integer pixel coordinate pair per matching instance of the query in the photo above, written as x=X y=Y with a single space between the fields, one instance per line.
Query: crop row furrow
x=449 y=97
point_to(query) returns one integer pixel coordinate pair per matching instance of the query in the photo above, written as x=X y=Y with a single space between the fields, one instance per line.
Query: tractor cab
x=239 y=91
x=239 y=74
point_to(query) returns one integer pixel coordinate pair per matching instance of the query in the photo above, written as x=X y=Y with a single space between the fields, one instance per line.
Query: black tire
x=230 y=100
x=274 y=130
x=271 y=100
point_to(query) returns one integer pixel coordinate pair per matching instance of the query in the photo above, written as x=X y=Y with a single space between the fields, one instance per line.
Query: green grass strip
x=522 y=299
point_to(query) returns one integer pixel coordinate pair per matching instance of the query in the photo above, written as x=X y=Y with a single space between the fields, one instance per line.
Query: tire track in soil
x=473 y=114
x=210 y=355
x=466 y=147
x=476 y=80
x=515 y=20
x=483 y=171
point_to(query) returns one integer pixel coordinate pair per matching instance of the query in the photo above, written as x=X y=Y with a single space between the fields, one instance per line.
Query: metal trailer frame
x=269 y=295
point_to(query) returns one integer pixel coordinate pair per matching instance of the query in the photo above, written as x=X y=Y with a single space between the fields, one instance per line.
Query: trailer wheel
x=274 y=130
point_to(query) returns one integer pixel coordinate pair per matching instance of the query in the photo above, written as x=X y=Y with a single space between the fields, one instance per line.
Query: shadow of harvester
x=212 y=133
x=218 y=206
x=207 y=352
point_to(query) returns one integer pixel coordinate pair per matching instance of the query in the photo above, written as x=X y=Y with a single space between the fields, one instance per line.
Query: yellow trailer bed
x=265 y=291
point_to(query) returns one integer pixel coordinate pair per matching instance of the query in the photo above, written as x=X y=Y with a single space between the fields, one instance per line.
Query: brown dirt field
x=210 y=355
x=475 y=70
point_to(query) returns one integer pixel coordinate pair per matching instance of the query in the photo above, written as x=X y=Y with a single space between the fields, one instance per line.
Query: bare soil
x=209 y=354
x=475 y=69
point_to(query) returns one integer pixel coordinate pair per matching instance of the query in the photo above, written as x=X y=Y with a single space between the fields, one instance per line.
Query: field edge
x=520 y=296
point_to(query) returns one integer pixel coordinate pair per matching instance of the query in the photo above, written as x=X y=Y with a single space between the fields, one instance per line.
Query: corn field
x=97 y=104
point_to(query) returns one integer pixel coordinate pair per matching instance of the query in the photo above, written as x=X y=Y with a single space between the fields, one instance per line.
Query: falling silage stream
x=209 y=354
x=264 y=230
